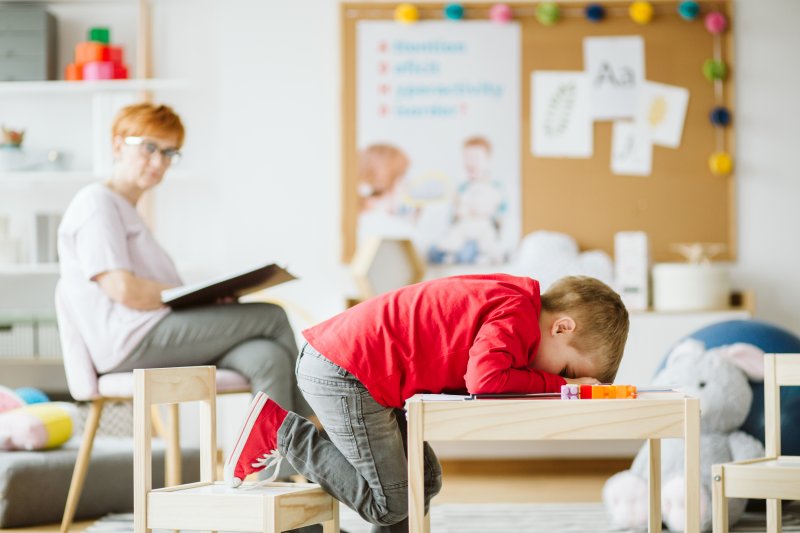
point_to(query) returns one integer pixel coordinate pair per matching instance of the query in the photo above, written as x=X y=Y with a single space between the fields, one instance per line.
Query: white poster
x=616 y=69
x=438 y=137
x=661 y=110
x=561 y=125
x=631 y=150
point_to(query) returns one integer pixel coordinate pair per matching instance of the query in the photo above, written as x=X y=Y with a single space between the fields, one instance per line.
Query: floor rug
x=500 y=518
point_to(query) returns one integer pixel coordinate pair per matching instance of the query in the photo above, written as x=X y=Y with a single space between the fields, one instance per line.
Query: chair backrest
x=156 y=386
x=779 y=370
x=78 y=365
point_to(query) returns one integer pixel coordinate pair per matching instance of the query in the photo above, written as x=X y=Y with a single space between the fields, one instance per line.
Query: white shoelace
x=274 y=458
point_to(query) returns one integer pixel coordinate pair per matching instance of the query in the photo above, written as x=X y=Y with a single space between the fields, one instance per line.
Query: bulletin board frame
x=681 y=201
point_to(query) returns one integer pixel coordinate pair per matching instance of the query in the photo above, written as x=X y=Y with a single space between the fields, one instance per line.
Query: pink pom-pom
x=500 y=13
x=716 y=22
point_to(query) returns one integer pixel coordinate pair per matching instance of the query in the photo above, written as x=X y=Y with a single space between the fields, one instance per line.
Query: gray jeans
x=362 y=462
x=254 y=339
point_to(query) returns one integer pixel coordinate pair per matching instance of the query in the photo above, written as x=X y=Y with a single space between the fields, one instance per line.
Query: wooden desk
x=487 y=420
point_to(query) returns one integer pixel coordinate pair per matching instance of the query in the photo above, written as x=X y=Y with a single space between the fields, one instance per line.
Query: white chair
x=211 y=505
x=85 y=384
x=773 y=477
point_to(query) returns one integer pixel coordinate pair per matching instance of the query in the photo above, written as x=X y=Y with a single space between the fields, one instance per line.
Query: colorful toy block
x=597 y=392
x=73 y=72
x=99 y=35
x=98 y=70
x=86 y=52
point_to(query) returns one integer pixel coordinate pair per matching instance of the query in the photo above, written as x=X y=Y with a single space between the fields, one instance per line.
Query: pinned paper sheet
x=616 y=69
x=631 y=150
x=661 y=110
x=561 y=125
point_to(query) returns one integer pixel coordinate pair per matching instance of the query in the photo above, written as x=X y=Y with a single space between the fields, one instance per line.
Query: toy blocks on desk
x=73 y=72
x=597 y=392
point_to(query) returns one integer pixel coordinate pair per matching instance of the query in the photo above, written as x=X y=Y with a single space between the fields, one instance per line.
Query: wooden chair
x=86 y=384
x=773 y=477
x=210 y=505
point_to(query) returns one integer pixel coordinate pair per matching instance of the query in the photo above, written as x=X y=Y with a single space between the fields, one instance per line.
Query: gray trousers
x=253 y=339
x=362 y=463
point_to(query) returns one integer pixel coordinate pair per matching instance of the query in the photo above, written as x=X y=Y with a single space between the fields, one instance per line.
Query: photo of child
x=477 y=212
x=381 y=181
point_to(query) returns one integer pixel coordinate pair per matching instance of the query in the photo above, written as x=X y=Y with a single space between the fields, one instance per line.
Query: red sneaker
x=257 y=445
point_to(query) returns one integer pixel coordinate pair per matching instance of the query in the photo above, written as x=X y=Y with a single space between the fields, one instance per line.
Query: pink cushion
x=120 y=384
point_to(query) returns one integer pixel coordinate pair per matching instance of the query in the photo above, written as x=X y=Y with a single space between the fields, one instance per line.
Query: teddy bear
x=719 y=378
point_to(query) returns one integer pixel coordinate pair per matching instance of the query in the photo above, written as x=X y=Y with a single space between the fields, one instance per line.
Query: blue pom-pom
x=689 y=10
x=32 y=395
x=720 y=116
x=454 y=11
x=595 y=12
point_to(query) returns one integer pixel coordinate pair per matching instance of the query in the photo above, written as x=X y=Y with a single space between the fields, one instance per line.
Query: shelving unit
x=73 y=118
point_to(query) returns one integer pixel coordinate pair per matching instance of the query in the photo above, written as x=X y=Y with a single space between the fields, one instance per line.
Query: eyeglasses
x=147 y=148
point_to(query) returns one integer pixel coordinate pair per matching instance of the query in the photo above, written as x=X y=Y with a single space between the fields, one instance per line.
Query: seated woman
x=113 y=272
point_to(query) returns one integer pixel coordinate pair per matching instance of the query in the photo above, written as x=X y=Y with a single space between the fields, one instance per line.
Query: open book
x=234 y=286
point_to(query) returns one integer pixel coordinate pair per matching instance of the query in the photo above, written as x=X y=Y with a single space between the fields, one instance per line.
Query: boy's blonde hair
x=148 y=120
x=601 y=320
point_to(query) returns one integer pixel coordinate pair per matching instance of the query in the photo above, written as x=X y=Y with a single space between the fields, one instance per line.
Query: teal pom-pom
x=454 y=11
x=689 y=10
x=595 y=12
x=720 y=116
x=32 y=395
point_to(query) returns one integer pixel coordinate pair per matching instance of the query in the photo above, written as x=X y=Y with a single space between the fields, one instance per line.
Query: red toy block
x=115 y=54
x=73 y=72
x=586 y=392
x=98 y=70
x=120 y=71
x=86 y=52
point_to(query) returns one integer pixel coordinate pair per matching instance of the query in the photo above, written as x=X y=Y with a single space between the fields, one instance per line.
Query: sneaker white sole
x=252 y=415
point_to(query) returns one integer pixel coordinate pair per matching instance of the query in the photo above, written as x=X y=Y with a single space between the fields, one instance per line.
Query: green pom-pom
x=454 y=11
x=548 y=13
x=714 y=69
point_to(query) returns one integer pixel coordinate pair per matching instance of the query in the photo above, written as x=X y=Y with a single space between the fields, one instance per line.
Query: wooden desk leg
x=416 y=472
x=654 y=490
x=691 y=465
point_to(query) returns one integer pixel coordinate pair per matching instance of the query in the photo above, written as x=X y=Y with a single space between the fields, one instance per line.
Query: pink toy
x=98 y=70
x=9 y=399
x=500 y=13
x=716 y=22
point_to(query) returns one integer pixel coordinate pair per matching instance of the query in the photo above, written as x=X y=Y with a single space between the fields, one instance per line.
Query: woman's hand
x=582 y=381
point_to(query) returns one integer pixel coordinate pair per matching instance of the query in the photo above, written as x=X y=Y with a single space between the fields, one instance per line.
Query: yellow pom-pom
x=720 y=163
x=406 y=13
x=641 y=12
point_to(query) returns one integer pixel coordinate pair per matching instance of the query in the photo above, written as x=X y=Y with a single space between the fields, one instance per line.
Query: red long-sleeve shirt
x=476 y=334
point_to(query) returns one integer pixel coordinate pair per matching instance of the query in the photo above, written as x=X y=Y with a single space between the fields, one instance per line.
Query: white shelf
x=89 y=87
x=29 y=268
x=75 y=177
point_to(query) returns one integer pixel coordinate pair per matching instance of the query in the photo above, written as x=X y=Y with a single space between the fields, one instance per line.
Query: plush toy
x=37 y=427
x=718 y=377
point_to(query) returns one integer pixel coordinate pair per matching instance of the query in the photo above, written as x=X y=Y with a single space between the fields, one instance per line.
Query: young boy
x=464 y=334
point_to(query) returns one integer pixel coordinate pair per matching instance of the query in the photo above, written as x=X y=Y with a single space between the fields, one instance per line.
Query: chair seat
x=120 y=384
x=770 y=477
x=218 y=507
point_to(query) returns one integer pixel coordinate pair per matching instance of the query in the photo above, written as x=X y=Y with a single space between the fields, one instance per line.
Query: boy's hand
x=582 y=381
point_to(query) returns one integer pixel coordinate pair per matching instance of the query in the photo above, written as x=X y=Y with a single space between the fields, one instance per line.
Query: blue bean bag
x=771 y=339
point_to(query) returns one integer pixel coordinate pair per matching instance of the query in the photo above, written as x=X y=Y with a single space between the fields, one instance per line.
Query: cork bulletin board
x=680 y=201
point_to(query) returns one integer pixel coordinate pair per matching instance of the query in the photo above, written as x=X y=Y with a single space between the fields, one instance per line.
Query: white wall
x=768 y=140
x=276 y=192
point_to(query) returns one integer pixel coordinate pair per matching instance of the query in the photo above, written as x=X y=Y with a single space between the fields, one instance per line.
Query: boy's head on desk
x=584 y=326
